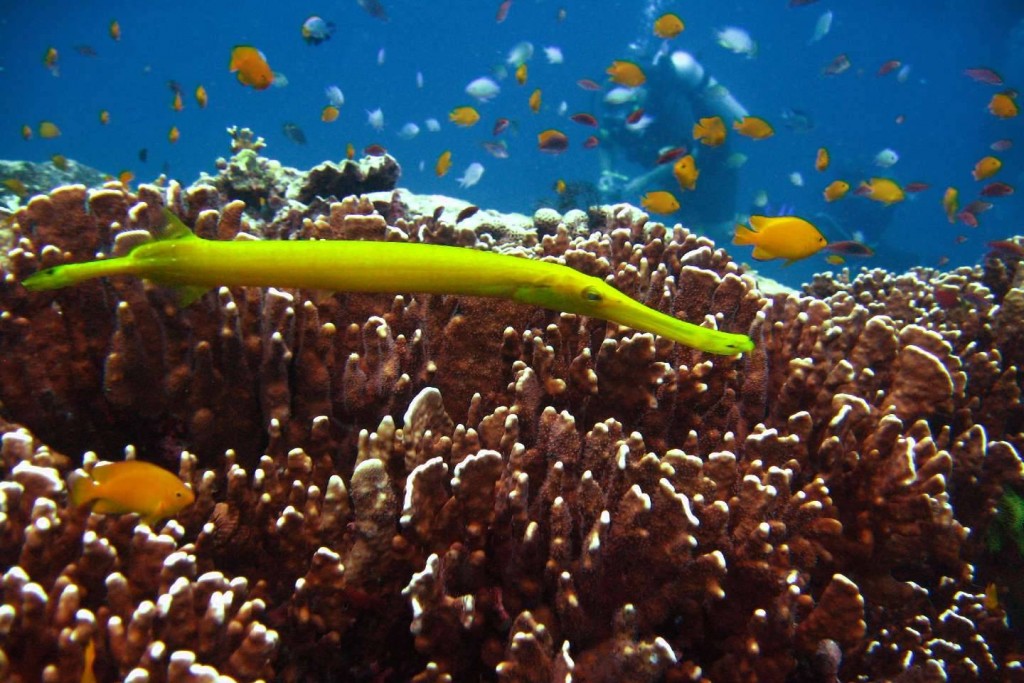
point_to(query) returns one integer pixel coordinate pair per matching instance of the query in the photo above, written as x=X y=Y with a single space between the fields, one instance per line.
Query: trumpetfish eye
x=591 y=294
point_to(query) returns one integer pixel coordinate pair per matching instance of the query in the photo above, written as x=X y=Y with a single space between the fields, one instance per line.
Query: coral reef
x=30 y=178
x=436 y=488
x=267 y=187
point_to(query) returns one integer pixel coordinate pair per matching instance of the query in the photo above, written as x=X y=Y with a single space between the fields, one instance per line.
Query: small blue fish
x=315 y=30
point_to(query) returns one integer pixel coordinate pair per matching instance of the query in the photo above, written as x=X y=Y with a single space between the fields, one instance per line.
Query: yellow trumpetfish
x=183 y=260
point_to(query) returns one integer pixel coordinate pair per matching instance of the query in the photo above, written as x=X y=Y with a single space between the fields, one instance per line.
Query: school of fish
x=620 y=87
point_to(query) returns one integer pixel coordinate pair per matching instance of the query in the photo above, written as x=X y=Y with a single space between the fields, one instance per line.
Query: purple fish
x=374 y=8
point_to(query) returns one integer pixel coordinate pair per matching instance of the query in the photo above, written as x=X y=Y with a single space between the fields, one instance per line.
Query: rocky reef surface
x=396 y=487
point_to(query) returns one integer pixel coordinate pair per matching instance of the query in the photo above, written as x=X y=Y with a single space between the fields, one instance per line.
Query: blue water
x=946 y=127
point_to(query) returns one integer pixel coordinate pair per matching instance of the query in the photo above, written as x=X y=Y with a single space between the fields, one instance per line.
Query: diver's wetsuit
x=678 y=92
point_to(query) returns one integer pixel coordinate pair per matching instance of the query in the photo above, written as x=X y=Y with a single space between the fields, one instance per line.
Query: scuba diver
x=677 y=94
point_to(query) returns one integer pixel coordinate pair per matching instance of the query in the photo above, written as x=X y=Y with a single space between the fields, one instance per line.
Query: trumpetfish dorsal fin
x=173 y=228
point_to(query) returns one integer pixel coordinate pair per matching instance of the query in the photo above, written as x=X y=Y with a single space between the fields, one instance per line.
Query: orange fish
x=786 y=237
x=535 y=101
x=710 y=130
x=115 y=30
x=50 y=60
x=350 y=151
x=836 y=190
x=251 y=67
x=626 y=73
x=48 y=129
x=685 y=171
x=173 y=135
x=104 y=117
x=464 y=116
x=16 y=186
x=179 y=103
x=660 y=201
x=822 y=159
x=444 y=163
x=521 y=73
x=753 y=127
x=552 y=141
x=1003 y=106
x=125 y=177
x=986 y=168
x=201 y=98
x=132 y=486
x=668 y=26
x=26 y=132
x=329 y=113
x=881 y=190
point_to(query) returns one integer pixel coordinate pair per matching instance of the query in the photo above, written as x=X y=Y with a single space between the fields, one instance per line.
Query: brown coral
x=396 y=487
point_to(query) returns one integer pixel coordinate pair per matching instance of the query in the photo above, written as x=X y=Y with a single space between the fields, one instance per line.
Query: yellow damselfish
x=753 y=127
x=132 y=486
x=195 y=265
x=785 y=237
x=464 y=116
x=660 y=201
x=884 y=190
x=710 y=130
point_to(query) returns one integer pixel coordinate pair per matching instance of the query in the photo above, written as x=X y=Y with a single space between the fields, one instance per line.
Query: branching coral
x=440 y=488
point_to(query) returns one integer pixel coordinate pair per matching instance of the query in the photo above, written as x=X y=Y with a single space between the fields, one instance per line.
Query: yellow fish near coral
x=444 y=163
x=686 y=173
x=250 y=67
x=950 y=203
x=660 y=201
x=710 y=130
x=48 y=130
x=132 y=486
x=785 y=237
